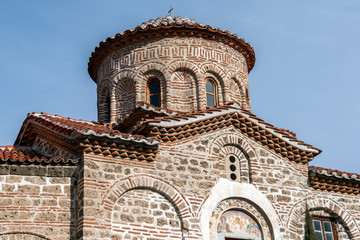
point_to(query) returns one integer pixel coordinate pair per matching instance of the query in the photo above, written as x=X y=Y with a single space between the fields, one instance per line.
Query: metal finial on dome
x=170 y=11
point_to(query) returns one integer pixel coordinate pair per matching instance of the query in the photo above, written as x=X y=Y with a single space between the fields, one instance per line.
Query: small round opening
x=232 y=159
x=232 y=167
x=233 y=176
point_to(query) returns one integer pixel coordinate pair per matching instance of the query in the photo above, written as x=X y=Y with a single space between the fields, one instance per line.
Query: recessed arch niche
x=236 y=218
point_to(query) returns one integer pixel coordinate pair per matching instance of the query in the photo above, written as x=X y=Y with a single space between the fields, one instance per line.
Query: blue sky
x=306 y=75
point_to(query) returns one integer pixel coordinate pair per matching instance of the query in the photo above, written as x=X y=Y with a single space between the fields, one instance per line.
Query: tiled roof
x=329 y=180
x=174 y=21
x=141 y=112
x=79 y=128
x=180 y=126
x=160 y=125
x=174 y=25
x=334 y=173
x=19 y=154
x=119 y=150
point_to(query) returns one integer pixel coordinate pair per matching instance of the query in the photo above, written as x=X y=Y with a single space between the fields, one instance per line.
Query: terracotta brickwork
x=120 y=194
x=184 y=170
x=181 y=65
x=119 y=190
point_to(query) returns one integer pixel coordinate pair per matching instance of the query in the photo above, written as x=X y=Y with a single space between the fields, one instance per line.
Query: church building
x=176 y=153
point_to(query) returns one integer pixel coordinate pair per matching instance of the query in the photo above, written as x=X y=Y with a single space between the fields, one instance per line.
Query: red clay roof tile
x=291 y=136
x=334 y=173
x=72 y=127
x=170 y=25
x=20 y=154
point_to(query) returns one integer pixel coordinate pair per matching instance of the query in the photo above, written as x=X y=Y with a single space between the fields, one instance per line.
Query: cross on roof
x=170 y=11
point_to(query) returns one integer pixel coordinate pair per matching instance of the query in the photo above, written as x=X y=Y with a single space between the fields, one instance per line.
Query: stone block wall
x=145 y=213
x=174 y=197
x=184 y=178
x=36 y=202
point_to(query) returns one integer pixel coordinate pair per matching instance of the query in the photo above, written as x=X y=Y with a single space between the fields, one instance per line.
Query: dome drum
x=182 y=59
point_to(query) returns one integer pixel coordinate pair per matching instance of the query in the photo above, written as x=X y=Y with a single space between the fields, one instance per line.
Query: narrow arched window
x=211 y=98
x=233 y=170
x=153 y=92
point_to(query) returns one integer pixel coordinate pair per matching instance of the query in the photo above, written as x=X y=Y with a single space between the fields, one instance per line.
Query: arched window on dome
x=153 y=92
x=211 y=96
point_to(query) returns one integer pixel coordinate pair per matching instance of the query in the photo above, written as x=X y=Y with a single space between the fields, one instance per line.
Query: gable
x=183 y=126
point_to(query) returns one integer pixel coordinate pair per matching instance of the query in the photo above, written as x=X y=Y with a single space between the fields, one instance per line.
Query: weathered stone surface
x=108 y=196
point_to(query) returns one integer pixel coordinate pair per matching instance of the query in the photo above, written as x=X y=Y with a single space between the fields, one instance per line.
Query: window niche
x=104 y=108
x=153 y=92
x=232 y=164
x=108 y=109
x=324 y=228
x=211 y=93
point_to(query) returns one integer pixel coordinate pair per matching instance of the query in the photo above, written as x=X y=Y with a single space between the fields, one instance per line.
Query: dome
x=168 y=27
x=173 y=63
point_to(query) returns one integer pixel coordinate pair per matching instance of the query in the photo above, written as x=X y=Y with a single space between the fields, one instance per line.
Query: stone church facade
x=176 y=153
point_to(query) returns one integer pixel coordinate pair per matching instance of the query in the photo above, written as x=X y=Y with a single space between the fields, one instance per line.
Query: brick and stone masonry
x=159 y=173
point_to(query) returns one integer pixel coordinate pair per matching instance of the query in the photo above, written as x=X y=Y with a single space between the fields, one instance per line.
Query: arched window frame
x=214 y=94
x=233 y=168
x=321 y=230
x=149 y=94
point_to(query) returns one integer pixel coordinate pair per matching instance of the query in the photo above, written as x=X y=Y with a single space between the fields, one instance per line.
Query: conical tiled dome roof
x=175 y=21
x=168 y=27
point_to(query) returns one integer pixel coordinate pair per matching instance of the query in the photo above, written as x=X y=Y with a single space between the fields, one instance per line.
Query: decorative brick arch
x=230 y=73
x=321 y=203
x=242 y=82
x=240 y=204
x=28 y=235
x=243 y=157
x=125 y=95
x=226 y=189
x=180 y=64
x=152 y=66
x=236 y=92
x=221 y=88
x=184 y=90
x=124 y=74
x=231 y=139
x=104 y=86
x=151 y=70
x=237 y=77
x=147 y=182
x=214 y=68
x=104 y=94
x=164 y=88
